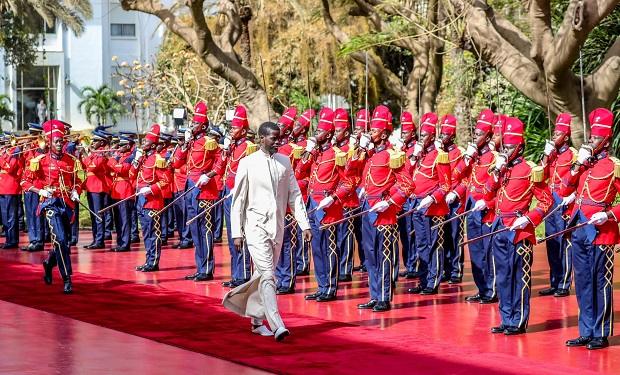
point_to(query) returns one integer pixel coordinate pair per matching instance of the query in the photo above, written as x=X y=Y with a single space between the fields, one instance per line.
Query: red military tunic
x=97 y=174
x=353 y=176
x=228 y=162
x=200 y=157
x=58 y=174
x=431 y=176
x=385 y=177
x=151 y=171
x=455 y=156
x=167 y=190
x=324 y=170
x=180 y=174
x=557 y=170
x=10 y=171
x=29 y=156
x=513 y=192
x=472 y=180
x=596 y=187
x=122 y=185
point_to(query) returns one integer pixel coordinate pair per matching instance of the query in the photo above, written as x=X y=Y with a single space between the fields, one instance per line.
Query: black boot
x=47 y=269
x=68 y=289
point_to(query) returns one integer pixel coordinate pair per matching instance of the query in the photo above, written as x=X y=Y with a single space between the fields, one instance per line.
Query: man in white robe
x=264 y=185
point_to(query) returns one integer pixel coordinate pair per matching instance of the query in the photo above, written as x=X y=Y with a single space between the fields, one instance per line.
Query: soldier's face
x=284 y=131
x=559 y=138
x=512 y=151
x=146 y=144
x=481 y=138
x=323 y=136
x=58 y=144
x=598 y=143
x=497 y=140
x=377 y=135
x=426 y=138
x=341 y=134
x=298 y=129
x=237 y=133
x=446 y=139
x=406 y=136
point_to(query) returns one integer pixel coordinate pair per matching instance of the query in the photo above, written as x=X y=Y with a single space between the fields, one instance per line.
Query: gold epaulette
x=351 y=152
x=616 y=167
x=397 y=158
x=341 y=158
x=442 y=157
x=210 y=144
x=250 y=148
x=575 y=152
x=36 y=162
x=160 y=162
x=77 y=164
x=297 y=151
x=538 y=174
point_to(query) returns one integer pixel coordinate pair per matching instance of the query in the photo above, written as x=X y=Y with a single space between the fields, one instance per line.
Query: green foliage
x=5 y=108
x=301 y=100
x=17 y=40
x=101 y=103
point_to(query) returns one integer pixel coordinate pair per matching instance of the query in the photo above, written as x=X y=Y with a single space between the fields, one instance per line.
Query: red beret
x=361 y=119
x=153 y=134
x=306 y=118
x=601 y=122
x=448 y=125
x=485 y=121
x=406 y=122
x=240 y=119
x=341 y=119
x=381 y=119
x=513 y=131
x=562 y=122
x=326 y=119
x=499 y=123
x=288 y=118
x=200 y=112
x=428 y=122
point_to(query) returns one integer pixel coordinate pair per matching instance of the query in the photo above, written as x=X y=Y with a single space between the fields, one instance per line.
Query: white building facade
x=66 y=63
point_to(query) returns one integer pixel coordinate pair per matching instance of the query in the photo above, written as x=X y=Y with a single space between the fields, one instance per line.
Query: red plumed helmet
x=240 y=119
x=153 y=133
x=601 y=122
x=200 y=113
x=326 y=119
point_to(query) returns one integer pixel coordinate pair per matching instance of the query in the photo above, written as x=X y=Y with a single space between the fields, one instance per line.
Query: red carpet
x=198 y=323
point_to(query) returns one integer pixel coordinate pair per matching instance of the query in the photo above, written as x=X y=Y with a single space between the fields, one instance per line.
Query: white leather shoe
x=281 y=333
x=262 y=330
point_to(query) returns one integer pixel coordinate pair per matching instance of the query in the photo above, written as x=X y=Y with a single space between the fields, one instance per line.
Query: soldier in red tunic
x=149 y=168
x=472 y=174
x=512 y=184
x=53 y=176
x=453 y=232
x=431 y=177
x=121 y=189
x=323 y=166
x=180 y=209
x=386 y=188
x=11 y=163
x=594 y=182
x=405 y=224
x=353 y=171
x=36 y=224
x=200 y=153
x=557 y=161
x=233 y=151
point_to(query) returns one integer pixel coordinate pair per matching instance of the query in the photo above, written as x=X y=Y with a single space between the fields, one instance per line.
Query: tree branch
x=166 y=16
x=540 y=23
x=603 y=84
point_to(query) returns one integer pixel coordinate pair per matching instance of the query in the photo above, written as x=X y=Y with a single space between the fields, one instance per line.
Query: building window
x=44 y=28
x=123 y=29
x=37 y=89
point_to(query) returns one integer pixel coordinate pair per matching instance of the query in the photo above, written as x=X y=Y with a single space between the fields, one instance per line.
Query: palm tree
x=101 y=103
x=70 y=12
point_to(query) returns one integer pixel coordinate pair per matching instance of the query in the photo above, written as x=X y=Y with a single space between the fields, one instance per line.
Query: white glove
x=398 y=144
x=380 y=206
x=549 y=147
x=500 y=161
x=361 y=193
x=451 y=197
x=227 y=142
x=75 y=196
x=325 y=202
x=568 y=200
x=365 y=141
x=492 y=146
x=471 y=150
x=417 y=148
x=438 y=145
x=139 y=155
x=520 y=223
x=598 y=218
x=187 y=135
x=425 y=203
x=352 y=141
x=310 y=144
x=479 y=205
x=585 y=152
x=145 y=191
x=203 y=180
x=45 y=193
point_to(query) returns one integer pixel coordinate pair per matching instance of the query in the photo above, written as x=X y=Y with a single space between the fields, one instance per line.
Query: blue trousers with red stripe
x=324 y=251
x=480 y=253
x=559 y=249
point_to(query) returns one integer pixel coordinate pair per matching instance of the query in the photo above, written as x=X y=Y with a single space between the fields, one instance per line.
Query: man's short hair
x=267 y=127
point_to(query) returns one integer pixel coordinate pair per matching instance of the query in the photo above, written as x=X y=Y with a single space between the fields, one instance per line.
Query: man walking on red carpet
x=265 y=184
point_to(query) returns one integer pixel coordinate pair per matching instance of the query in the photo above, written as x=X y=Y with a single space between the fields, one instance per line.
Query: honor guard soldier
x=149 y=168
x=431 y=177
x=167 y=222
x=472 y=173
x=54 y=177
x=71 y=148
x=218 y=217
x=557 y=161
x=512 y=184
x=405 y=223
x=303 y=122
x=594 y=182
x=236 y=147
x=11 y=164
x=386 y=187
x=350 y=202
x=180 y=208
x=36 y=223
x=135 y=237
x=286 y=266
x=96 y=184
x=453 y=231
x=323 y=166
x=353 y=172
x=200 y=153
x=122 y=188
